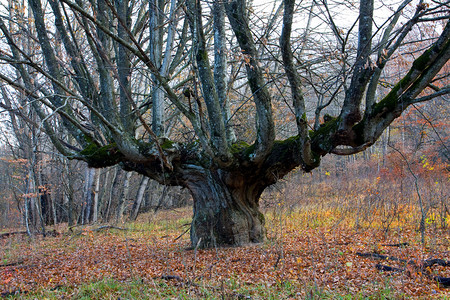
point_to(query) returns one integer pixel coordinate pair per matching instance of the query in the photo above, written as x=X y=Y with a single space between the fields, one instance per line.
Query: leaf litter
x=305 y=256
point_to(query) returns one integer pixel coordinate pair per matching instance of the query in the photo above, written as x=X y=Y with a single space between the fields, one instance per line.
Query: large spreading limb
x=52 y=64
x=215 y=117
x=404 y=93
x=123 y=59
x=350 y=113
x=220 y=67
x=265 y=130
x=387 y=48
x=383 y=113
x=294 y=81
x=85 y=82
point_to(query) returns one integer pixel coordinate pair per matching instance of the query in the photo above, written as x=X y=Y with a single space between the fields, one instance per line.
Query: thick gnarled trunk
x=225 y=210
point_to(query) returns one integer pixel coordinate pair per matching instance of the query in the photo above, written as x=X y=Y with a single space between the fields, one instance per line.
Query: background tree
x=132 y=84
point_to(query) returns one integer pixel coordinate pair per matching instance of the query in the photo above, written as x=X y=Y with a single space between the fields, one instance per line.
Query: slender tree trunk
x=35 y=203
x=103 y=193
x=124 y=198
x=139 y=197
x=162 y=197
x=32 y=203
x=220 y=66
x=68 y=194
x=68 y=199
x=42 y=200
x=40 y=216
x=149 y=195
x=53 y=197
x=115 y=180
x=156 y=8
x=27 y=216
x=96 y=197
x=88 y=194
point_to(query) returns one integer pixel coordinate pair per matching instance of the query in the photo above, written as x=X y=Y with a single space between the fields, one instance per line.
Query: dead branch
x=396 y=245
x=110 y=227
x=423 y=267
x=384 y=257
x=7 y=234
x=16 y=263
x=169 y=277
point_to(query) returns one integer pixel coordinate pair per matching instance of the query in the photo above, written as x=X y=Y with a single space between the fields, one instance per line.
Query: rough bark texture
x=225 y=210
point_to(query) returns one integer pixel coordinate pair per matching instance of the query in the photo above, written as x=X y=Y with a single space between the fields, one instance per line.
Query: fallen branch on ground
x=388 y=268
x=169 y=277
x=384 y=257
x=110 y=227
x=7 y=234
x=422 y=267
x=12 y=264
x=396 y=245
x=85 y=230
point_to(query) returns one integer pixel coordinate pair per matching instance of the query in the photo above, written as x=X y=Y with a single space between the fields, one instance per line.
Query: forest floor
x=312 y=252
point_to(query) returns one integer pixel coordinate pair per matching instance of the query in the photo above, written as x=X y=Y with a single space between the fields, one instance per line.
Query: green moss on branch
x=167 y=144
x=238 y=147
x=322 y=138
x=98 y=157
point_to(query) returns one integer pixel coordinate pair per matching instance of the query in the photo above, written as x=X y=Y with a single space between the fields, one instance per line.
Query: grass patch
x=227 y=289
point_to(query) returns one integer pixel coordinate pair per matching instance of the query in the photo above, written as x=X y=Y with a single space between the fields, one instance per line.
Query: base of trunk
x=225 y=215
x=227 y=227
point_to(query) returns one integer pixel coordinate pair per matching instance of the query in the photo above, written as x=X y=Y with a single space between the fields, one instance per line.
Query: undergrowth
x=311 y=251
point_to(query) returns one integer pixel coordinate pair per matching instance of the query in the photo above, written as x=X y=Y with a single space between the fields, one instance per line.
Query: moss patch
x=284 y=147
x=330 y=126
x=104 y=156
x=238 y=147
x=389 y=103
x=167 y=144
x=321 y=139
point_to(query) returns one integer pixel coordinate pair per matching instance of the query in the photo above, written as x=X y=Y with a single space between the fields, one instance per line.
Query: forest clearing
x=236 y=149
x=332 y=246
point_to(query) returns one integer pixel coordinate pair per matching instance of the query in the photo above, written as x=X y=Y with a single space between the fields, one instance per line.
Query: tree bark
x=68 y=193
x=96 y=197
x=220 y=67
x=54 y=195
x=124 y=199
x=88 y=195
x=139 y=197
x=115 y=181
x=104 y=192
x=226 y=210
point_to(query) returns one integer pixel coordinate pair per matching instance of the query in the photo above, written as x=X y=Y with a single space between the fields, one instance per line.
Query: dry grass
x=310 y=251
